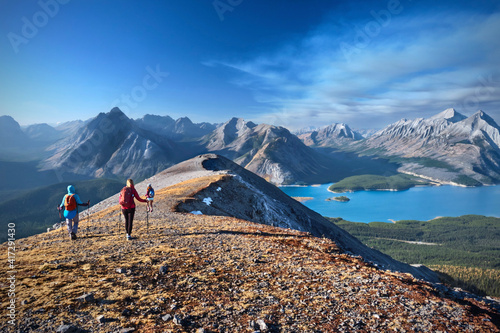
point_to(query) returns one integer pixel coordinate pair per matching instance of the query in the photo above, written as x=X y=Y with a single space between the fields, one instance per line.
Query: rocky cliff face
x=112 y=145
x=447 y=147
x=272 y=152
x=194 y=272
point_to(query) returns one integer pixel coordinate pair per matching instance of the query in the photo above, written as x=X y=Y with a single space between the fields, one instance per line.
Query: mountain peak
x=484 y=116
x=449 y=114
x=239 y=123
x=184 y=121
x=9 y=122
x=116 y=110
x=115 y=115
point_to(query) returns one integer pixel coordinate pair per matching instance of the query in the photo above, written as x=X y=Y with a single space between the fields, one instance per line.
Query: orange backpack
x=70 y=202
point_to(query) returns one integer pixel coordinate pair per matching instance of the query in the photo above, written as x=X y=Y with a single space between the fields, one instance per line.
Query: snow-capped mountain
x=111 y=144
x=330 y=136
x=182 y=128
x=447 y=147
x=234 y=137
x=272 y=152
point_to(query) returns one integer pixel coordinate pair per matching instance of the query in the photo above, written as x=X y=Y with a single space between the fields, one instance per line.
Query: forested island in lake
x=340 y=199
x=399 y=182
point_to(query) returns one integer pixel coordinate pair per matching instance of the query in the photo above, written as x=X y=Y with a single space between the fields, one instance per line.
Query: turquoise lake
x=418 y=203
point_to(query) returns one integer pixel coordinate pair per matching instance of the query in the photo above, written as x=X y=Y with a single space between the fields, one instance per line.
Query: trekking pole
x=147 y=221
x=60 y=220
x=87 y=220
x=119 y=222
x=98 y=224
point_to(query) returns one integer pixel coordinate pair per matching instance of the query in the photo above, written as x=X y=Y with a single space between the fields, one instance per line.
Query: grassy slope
x=397 y=182
x=34 y=211
x=468 y=247
x=222 y=273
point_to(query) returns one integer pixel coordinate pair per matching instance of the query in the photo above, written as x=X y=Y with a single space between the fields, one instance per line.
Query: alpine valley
x=447 y=148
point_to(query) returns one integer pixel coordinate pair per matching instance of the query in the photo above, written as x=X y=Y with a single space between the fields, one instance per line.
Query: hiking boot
x=73 y=236
x=129 y=237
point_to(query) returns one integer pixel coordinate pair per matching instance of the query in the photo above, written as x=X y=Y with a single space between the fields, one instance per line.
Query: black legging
x=129 y=219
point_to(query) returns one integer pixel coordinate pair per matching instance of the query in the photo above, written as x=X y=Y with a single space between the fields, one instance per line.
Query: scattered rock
x=101 y=319
x=163 y=270
x=126 y=313
x=253 y=325
x=121 y=270
x=262 y=325
x=65 y=328
x=179 y=321
x=127 y=330
x=86 y=298
x=167 y=317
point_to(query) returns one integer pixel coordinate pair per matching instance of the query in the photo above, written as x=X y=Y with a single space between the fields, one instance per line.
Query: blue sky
x=292 y=63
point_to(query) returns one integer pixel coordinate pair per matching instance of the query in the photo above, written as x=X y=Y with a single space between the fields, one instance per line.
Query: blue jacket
x=72 y=213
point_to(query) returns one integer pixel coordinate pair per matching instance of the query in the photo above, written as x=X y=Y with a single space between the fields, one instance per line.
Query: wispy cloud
x=416 y=65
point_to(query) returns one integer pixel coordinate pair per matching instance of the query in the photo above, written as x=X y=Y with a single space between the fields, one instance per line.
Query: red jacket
x=134 y=195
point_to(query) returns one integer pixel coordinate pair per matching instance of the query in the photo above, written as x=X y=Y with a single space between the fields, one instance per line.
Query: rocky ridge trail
x=200 y=273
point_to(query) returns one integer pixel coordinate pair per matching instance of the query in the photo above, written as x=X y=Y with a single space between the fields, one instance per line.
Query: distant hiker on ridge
x=127 y=203
x=150 y=194
x=70 y=202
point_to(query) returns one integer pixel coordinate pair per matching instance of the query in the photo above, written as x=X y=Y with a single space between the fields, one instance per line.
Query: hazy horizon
x=195 y=121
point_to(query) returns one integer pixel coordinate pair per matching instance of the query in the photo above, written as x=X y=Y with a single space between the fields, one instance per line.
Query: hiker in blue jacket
x=70 y=203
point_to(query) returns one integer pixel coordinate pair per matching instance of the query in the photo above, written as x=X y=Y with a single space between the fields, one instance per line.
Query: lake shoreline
x=421 y=203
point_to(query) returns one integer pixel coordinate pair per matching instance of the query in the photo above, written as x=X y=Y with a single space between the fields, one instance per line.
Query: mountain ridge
x=448 y=148
x=466 y=149
x=246 y=187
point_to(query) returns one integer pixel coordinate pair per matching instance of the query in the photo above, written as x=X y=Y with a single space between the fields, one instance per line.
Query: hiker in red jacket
x=127 y=195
